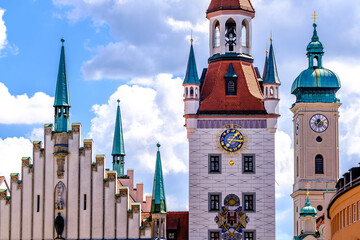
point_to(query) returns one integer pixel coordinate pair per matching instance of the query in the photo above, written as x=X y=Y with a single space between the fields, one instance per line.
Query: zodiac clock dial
x=232 y=140
x=319 y=123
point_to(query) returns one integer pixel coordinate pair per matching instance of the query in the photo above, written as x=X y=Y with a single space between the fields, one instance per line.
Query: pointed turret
x=62 y=100
x=191 y=76
x=158 y=204
x=271 y=74
x=271 y=83
x=118 y=150
x=191 y=85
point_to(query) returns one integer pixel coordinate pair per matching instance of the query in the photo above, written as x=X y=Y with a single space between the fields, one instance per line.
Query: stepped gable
x=249 y=99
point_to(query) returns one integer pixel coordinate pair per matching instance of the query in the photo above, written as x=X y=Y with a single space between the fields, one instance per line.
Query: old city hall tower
x=231 y=117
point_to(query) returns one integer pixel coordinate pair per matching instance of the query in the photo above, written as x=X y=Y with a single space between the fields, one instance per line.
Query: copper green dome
x=308 y=210
x=316 y=84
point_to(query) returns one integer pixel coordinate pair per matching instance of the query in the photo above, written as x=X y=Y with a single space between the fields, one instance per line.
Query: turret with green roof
x=62 y=100
x=158 y=203
x=271 y=73
x=118 y=150
x=316 y=84
x=191 y=76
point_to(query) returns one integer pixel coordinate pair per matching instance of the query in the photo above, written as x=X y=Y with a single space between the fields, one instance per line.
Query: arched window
x=244 y=35
x=319 y=164
x=231 y=86
x=191 y=92
x=217 y=34
x=230 y=34
x=297 y=166
x=271 y=91
x=196 y=92
x=315 y=62
x=186 y=92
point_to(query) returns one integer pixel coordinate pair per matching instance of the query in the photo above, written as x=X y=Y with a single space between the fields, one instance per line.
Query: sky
x=137 y=51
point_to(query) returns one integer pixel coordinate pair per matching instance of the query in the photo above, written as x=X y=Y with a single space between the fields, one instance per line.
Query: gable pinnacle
x=158 y=203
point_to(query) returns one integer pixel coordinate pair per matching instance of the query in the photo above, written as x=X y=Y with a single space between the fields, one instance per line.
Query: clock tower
x=231 y=117
x=316 y=138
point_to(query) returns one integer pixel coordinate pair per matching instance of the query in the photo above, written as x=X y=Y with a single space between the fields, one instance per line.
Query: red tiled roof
x=178 y=222
x=249 y=96
x=217 y=5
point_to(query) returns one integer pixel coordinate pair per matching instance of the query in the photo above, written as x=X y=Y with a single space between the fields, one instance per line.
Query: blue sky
x=137 y=51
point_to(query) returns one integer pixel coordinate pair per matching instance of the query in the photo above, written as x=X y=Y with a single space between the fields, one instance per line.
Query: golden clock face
x=232 y=140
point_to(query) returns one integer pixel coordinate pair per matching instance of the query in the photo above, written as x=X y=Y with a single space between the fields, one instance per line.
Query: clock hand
x=235 y=135
x=238 y=141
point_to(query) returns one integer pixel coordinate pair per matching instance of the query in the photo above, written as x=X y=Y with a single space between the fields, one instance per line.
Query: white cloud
x=21 y=109
x=149 y=114
x=284 y=164
x=12 y=150
x=177 y=25
x=37 y=134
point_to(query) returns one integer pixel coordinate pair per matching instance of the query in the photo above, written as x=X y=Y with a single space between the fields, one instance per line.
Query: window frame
x=214 y=231
x=253 y=163
x=209 y=163
x=322 y=164
x=250 y=231
x=253 y=194
x=210 y=194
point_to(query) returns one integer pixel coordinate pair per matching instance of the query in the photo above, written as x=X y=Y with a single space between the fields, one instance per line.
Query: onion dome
x=308 y=210
x=316 y=84
x=217 y=5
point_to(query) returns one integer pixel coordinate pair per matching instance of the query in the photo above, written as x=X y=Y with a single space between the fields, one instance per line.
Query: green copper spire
x=118 y=151
x=191 y=76
x=316 y=84
x=231 y=72
x=62 y=100
x=271 y=74
x=158 y=203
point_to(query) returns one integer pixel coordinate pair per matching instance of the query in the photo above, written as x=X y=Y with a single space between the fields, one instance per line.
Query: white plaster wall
x=27 y=205
x=97 y=203
x=4 y=220
x=231 y=181
x=147 y=233
x=110 y=213
x=73 y=187
x=191 y=106
x=38 y=217
x=121 y=216
x=272 y=106
x=50 y=169
x=15 y=212
x=85 y=188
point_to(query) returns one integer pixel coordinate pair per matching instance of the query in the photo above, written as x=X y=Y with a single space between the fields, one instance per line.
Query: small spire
x=266 y=50
x=118 y=143
x=191 y=76
x=158 y=203
x=271 y=74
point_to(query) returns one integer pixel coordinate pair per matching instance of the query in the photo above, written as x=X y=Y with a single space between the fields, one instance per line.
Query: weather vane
x=315 y=16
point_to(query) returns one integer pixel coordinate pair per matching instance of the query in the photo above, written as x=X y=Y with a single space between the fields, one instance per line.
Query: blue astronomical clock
x=232 y=140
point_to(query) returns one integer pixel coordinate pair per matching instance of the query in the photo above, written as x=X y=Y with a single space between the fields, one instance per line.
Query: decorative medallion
x=231 y=220
x=319 y=123
x=232 y=139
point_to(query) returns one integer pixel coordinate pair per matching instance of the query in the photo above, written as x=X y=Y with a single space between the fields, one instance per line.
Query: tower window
x=214 y=235
x=248 y=163
x=85 y=201
x=315 y=62
x=249 y=202
x=319 y=139
x=297 y=166
x=217 y=35
x=244 y=35
x=230 y=34
x=214 y=164
x=249 y=235
x=319 y=164
x=191 y=92
x=38 y=203
x=214 y=201
x=231 y=86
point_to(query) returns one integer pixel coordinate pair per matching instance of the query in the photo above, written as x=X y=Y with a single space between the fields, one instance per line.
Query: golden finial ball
x=232 y=163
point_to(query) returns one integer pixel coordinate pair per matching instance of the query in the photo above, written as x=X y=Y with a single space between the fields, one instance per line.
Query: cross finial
x=315 y=16
x=307 y=187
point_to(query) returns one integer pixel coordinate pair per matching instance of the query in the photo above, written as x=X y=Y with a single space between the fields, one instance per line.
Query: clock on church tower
x=231 y=117
x=316 y=139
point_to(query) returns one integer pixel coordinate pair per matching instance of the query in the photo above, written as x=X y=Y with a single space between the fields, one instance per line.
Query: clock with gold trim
x=232 y=140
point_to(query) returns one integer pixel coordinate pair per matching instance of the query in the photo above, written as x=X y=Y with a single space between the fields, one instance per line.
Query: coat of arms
x=231 y=220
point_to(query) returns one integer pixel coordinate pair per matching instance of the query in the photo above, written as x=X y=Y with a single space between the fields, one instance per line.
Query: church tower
x=316 y=138
x=118 y=150
x=231 y=123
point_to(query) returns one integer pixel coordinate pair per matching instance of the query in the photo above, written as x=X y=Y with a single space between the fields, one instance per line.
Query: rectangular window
x=171 y=236
x=84 y=201
x=359 y=210
x=249 y=235
x=248 y=163
x=354 y=213
x=349 y=214
x=214 y=163
x=214 y=201
x=249 y=202
x=38 y=204
x=214 y=235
